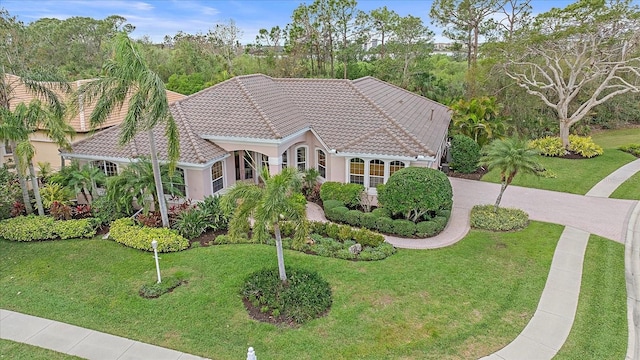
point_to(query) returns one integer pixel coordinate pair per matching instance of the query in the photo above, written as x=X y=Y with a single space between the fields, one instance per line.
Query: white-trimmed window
x=180 y=186
x=285 y=159
x=395 y=166
x=217 y=181
x=356 y=171
x=301 y=158
x=376 y=173
x=321 y=161
x=107 y=167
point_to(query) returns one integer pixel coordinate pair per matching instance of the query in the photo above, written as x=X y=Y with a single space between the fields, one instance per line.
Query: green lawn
x=600 y=327
x=460 y=302
x=630 y=189
x=579 y=176
x=17 y=351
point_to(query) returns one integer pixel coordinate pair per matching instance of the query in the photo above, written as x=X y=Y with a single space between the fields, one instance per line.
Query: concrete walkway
x=78 y=341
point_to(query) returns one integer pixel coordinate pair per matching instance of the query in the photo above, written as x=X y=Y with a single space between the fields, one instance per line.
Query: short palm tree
x=277 y=200
x=127 y=77
x=510 y=157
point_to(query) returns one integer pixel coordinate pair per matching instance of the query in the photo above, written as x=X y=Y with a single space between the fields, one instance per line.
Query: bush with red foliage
x=60 y=211
x=17 y=209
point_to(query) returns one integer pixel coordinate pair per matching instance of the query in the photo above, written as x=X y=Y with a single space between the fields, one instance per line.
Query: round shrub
x=337 y=213
x=367 y=237
x=505 y=219
x=349 y=194
x=305 y=295
x=404 y=227
x=126 y=232
x=426 y=229
x=445 y=213
x=353 y=217
x=384 y=224
x=380 y=212
x=441 y=221
x=584 y=146
x=330 y=204
x=465 y=154
x=413 y=192
x=369 y=221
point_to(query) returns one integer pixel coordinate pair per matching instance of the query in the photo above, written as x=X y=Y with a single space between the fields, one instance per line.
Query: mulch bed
x=473 y=176
x=206 y=239
x=256 y=314
x=573 y=156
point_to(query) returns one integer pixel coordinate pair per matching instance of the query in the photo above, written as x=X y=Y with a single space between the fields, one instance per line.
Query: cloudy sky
x=157 y=18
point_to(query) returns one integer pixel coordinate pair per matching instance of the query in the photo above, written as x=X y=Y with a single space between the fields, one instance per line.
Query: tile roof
x=364 y=116
x=80 y=120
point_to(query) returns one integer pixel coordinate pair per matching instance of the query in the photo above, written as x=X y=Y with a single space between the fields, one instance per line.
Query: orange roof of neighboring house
x=80 y=120
x=364 y=116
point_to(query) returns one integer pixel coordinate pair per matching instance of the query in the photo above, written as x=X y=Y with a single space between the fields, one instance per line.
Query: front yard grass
x=629 y=189
x=578 y=176
x=460 y=302
x=600 y=327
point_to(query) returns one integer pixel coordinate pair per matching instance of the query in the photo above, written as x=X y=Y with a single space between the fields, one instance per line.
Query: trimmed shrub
x=36 y=228
x=441 y=221
x=28 y=228
x=426 y=229
x=126 y=232
x=317 y=227
x=384 y=224
x=349 y=194
x=465 y=154
x=633 y=149
x=371 y=254
x=72 y=229
x=584 y=146
x=369 y=221
x=367 y=237
x=345 y=233
x=380 y=212
x=505 y=219
x=353 y=217
x=445 y=213
x=305 y=296
x=332 y=230
x=548 y=146
x=191 y=223
x=330 y=204
x=404 y=227
x=337 y=213
x=413 y=192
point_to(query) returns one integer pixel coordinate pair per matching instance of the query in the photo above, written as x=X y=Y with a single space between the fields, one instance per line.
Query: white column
x=275 y=165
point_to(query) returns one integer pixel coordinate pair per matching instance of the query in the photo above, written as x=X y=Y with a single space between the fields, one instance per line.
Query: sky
x=157 y=18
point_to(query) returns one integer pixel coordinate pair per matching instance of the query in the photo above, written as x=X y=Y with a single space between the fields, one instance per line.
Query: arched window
x=322 y=163
x=395 y=166
x=217 y=181
x=107 y=167
x=356 y=171
x=301 y=158
x=376 y=172
x=180 y=187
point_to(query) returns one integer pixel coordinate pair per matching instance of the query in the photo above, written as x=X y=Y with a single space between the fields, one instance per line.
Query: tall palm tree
x=510 y=157
x=16 y=126
x=277 y=200
x=127 y=77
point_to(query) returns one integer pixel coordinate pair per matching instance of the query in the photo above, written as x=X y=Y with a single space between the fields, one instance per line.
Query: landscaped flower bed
x=36 y=228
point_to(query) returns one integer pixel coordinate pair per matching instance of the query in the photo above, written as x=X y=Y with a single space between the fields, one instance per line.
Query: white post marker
x=251 y=355
x=154 y=245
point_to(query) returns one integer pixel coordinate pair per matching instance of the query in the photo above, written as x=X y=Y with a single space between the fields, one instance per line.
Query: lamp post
x=154 y=245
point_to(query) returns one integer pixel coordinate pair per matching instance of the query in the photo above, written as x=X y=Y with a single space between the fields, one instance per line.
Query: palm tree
x=277 y=200
x=85 y=180
x=127 y=77
x=16 y=126
x=510 y=157
x=138 y=181
x=478 y=119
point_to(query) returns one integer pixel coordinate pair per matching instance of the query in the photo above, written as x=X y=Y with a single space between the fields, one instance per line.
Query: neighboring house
x=358 y=131
x=46 y=149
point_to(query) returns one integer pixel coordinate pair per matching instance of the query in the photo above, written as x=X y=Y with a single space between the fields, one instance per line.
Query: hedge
x=426 y=229
x=330 y=204
x=404 y=227
x=349 y=194
x=465 y=153
x=36 y=228
x=126 y=232
x=505 y=219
